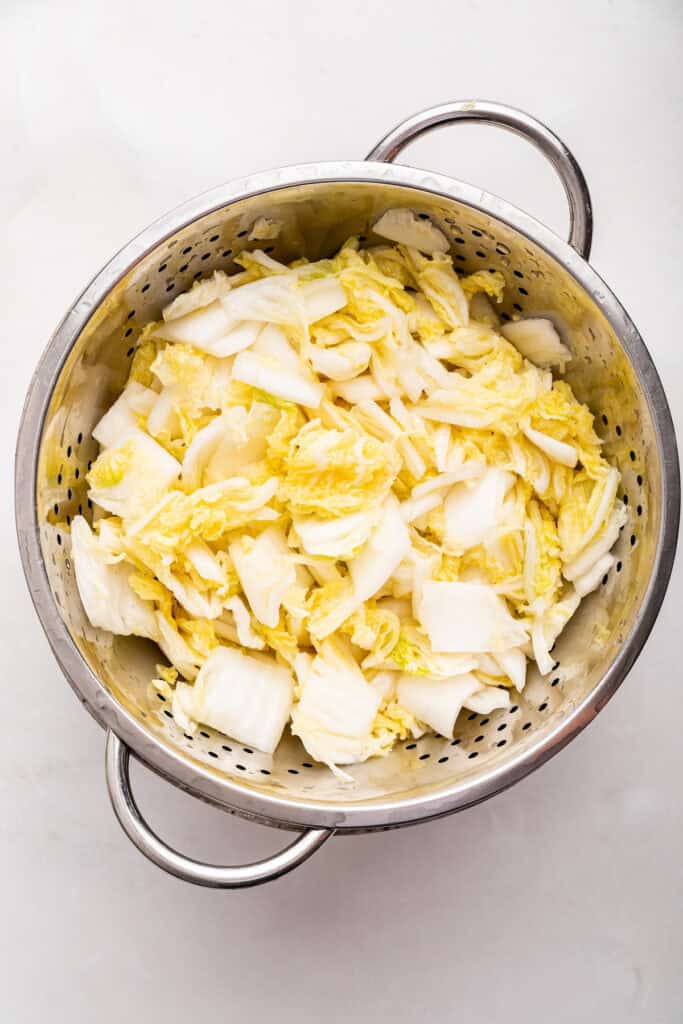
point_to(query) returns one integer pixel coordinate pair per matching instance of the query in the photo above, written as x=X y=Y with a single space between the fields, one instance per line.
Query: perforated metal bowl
x=318 y=207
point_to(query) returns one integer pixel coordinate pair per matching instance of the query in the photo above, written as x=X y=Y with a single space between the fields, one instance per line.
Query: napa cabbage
x=342 y=494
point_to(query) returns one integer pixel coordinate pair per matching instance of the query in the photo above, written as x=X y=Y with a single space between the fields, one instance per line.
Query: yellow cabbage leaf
x=331 y=473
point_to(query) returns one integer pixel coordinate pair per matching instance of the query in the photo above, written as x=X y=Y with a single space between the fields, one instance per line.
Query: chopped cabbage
x=243 y=696
x=424 y=321
x=467 y=618
x=384 y=684
x=472 y=509
x=559 y=451
x=514 y=665
x=387 y=545
x=344 y=362
x=440 y=285
x=164 y=421
x=229 y=444
x=542 y=564
x=121 y=420
x=488 y=282
x=128 y=480
x=178 y=651
x=202 y=293
x=585 y=509
x=538 y=341
x=265 y=566
x=209 y=514
x=205 y=562
x=547 y=626
x=482 y=311
x=334 y=472
x=335 y=538
x=271 y=300
x=210 y=329
x=414 y=655
x=588 y=581
x=599 y=547
x=487 y=699
x=379 y=557
x=340 y=494
x=495 y=396
x=322 y=298
x=375 y=630
x=336 y=708
x=408 y=228
x=104 y=586
x=360 y=389
x=437 y=702
x=273 y=366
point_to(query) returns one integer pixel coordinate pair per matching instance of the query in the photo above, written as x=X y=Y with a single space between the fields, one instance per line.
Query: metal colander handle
x=512 y=120
x=117 y=759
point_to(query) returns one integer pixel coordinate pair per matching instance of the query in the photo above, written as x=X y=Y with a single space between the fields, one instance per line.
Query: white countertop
x=559 y=900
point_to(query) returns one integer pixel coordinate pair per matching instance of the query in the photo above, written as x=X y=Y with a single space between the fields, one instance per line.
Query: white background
x=557 y=901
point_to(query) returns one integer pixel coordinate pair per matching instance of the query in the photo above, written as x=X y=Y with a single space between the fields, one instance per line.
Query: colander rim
x=201 y=780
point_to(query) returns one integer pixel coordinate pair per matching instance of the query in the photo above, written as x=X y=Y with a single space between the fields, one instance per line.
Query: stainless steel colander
x=317 y=206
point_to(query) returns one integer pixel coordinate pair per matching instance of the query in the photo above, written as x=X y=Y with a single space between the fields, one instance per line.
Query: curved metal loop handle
x=512 y=120
x=211 y=875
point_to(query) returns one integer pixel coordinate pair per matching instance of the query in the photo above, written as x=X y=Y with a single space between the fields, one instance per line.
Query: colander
x=315 y=208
